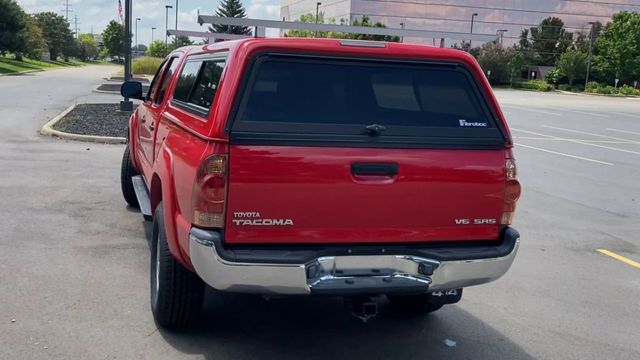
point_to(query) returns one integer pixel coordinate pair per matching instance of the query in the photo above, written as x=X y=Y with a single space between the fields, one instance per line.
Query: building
x=456 y=15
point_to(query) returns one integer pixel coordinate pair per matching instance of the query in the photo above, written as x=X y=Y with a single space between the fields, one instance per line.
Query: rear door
x=363 y=151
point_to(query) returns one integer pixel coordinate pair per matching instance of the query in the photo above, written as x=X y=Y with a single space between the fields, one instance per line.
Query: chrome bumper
x=343 y=274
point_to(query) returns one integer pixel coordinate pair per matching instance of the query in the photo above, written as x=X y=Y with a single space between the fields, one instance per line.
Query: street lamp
x=501 y=33
x=152 y=29
x=472 y=18
x=586 y=81
x=166 y=23
x=317 y=14
x=402 y=27
x=136 y=45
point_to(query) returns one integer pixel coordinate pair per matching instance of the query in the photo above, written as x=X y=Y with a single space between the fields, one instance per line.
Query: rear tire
x=417 y=304
x=127 y=171
x=176 y=292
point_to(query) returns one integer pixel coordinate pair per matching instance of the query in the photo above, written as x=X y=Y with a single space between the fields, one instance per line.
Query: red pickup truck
x=320 y=167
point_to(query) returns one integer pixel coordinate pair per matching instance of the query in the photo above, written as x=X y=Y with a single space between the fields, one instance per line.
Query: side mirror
x=132 y=90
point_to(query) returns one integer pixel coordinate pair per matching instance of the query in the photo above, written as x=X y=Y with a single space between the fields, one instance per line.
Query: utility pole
x=166 y=24
x=152 y=29
x=472 y=18
x=501 y=33
x=402 y=37
x=135 y=46
x=317 y=14
x=176 y=28
x=586 y=81
x=75 y=17
x=66 y=10
x=127 y=105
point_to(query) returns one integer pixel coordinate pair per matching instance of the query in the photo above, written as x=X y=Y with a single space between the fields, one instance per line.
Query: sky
x=444 y=15
x=96 y=14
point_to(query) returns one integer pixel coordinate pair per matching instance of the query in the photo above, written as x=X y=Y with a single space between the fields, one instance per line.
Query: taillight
x=511 y=192
x=210 y=192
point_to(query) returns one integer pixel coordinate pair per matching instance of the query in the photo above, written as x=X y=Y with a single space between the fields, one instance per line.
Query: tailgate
x=358 y=151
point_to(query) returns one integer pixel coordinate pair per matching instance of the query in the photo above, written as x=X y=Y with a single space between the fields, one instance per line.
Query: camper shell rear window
x=362 y=102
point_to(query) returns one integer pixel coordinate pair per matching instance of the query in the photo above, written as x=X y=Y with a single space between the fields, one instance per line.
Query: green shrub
x=606 y=90
x=592 y=86
x=627 y=90
x=567 y=87
x=146 y=65
x=538 y=85
x=554 y=77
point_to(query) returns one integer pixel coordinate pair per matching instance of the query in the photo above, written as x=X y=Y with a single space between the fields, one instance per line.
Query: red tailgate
x=315 y=189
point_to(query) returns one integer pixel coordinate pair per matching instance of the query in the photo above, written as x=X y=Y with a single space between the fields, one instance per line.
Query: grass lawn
x=8 y=65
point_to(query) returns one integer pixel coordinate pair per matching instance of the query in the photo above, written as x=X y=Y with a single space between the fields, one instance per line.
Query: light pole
x=152 y=29
x=136 y=44
x=501 y=33
x=176 y=15
x=317 y=14
x=586 y=81
x=472 y=18
x=402 y=27
x=166 y=24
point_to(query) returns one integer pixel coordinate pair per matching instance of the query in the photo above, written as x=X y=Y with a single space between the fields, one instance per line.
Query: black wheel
x=416 y=304
x=176 y=292
x=127 y=171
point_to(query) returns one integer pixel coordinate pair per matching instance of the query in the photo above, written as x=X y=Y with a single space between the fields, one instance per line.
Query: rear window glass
x=349 y=95
x=198 y=83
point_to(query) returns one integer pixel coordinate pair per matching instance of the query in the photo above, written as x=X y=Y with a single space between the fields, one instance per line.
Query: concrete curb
x=22 y=72
x=594 y=94
x=95 y=90
x=48 y=130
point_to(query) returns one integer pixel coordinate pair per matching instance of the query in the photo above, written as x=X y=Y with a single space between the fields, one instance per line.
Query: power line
x=467 y=20
x=493 y=8
x=602 y=2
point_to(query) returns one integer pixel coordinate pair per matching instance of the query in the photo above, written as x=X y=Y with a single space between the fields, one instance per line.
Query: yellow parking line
x=567 y=155
x=619 y=257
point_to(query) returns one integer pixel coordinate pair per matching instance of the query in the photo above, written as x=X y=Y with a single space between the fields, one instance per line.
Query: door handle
x=374 y=169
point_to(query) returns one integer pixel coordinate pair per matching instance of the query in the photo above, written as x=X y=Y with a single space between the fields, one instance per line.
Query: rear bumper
x=349 y=270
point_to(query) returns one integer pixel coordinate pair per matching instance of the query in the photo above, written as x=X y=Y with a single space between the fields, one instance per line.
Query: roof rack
x=260 y=25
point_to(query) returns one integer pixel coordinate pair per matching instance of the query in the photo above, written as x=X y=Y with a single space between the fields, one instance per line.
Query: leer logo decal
x=254 y=219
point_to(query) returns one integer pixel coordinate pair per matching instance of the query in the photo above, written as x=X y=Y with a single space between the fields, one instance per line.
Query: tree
x=114 y=39
x=573 y=65
x=157 y=49
x=618 y=47
x=180 y=41
x=87 y=47
x=495 y=58
x=56 y=33
x=13 y=30
x=549 y=40
x=234 y=9
x=515 y=65
x=35 y=45
x=364 y=21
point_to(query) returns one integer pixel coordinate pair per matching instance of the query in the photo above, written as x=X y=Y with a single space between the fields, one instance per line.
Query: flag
x=120 y=12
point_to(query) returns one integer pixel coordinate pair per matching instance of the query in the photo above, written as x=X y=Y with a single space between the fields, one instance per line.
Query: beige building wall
x=455 y=15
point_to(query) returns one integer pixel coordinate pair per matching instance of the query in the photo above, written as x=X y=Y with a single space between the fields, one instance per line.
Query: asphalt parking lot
x=74 y=259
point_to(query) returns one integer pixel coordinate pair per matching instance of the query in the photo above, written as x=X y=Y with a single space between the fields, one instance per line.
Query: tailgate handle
x=380 y=169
